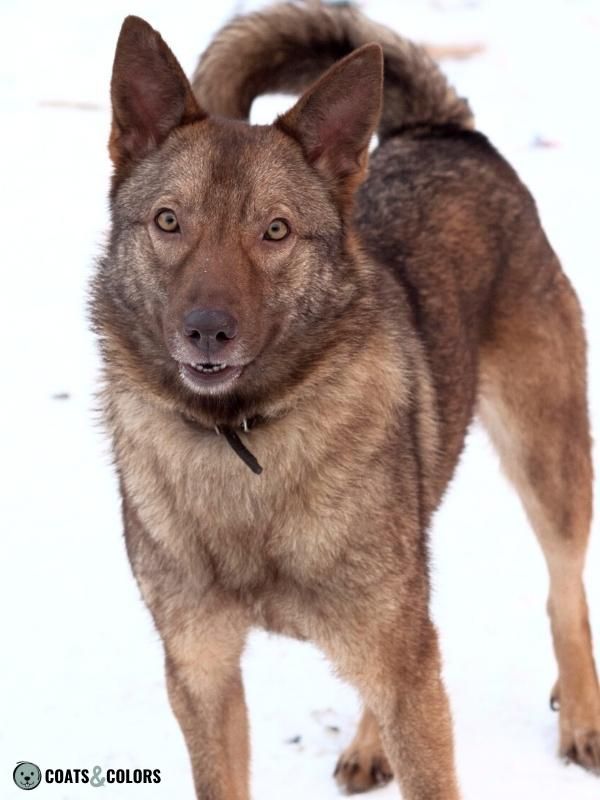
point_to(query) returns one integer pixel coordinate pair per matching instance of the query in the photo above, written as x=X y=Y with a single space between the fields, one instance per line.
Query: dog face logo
x=27 y=775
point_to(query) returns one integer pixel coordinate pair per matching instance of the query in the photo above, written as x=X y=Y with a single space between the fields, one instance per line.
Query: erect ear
x=150 y=93
x=335 y=119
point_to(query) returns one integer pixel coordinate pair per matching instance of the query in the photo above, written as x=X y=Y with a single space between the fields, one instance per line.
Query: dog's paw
x=579 y=725
x=361 y=770
x=582 y=747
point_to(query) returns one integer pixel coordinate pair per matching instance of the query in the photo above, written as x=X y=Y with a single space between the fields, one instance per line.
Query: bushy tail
x=286 y=47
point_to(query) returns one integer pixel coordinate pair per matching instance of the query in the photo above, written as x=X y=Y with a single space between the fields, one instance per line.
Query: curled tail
x=286 y=47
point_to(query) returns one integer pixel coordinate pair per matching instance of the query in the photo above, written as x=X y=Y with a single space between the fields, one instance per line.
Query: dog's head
x=230 y=253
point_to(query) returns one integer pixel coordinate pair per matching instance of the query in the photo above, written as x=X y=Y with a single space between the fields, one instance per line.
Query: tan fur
x=533 y=405
x=304 y=481
x=365 y=340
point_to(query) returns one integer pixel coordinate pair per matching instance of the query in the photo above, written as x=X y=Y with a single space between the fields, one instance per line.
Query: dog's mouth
x=208 y=369
x=209 y=374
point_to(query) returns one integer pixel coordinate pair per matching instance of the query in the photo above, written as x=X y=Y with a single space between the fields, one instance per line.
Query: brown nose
x=210 y=329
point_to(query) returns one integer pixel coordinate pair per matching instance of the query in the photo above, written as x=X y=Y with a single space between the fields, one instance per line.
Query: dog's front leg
x=207 y=696
x=203 y=637
x=396 y=666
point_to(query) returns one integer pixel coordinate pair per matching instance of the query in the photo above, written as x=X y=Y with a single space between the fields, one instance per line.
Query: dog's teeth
x=209 y=368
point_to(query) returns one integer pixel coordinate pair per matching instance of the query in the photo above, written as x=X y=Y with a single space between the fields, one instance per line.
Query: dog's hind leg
x=533 y=404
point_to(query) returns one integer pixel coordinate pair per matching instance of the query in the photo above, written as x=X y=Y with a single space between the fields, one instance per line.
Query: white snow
x=81 y=678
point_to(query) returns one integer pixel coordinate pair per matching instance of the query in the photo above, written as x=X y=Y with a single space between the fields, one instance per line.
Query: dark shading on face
x=228 y=257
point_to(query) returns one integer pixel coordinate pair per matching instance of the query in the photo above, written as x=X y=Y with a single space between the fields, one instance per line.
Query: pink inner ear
x=150 y=93
x=334 y=119
x=137 y=141
x=340 y=135
x=154 y=104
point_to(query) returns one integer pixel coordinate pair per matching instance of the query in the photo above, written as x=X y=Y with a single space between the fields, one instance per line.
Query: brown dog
x=338 y=328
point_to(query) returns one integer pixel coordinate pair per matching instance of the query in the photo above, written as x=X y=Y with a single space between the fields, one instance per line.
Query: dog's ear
x=335 y=119
x=149 y=91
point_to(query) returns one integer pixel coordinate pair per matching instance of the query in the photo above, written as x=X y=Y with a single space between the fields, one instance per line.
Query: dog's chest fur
x=283 y=532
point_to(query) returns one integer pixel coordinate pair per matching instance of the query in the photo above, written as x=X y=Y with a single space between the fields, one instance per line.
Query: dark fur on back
x=431 y=179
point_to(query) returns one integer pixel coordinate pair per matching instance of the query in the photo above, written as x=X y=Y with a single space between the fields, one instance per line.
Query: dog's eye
x=277 y=230
x=167 y=221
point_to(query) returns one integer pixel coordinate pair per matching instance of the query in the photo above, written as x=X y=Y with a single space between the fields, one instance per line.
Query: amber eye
x=167 y=221
x=277 y=230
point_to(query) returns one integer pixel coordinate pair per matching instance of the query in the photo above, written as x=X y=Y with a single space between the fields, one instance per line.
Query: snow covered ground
x=81 y=678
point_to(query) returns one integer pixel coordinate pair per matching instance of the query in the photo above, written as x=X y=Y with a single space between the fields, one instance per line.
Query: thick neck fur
x=338 y=371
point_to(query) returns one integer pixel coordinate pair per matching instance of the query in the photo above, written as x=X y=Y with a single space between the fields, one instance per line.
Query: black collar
x=233 y=439
x=236 y=444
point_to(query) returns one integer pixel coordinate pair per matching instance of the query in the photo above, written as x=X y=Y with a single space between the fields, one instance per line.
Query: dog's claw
x=381 y=773
x=356 y=772
x=584 y=749
x=555 y=697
